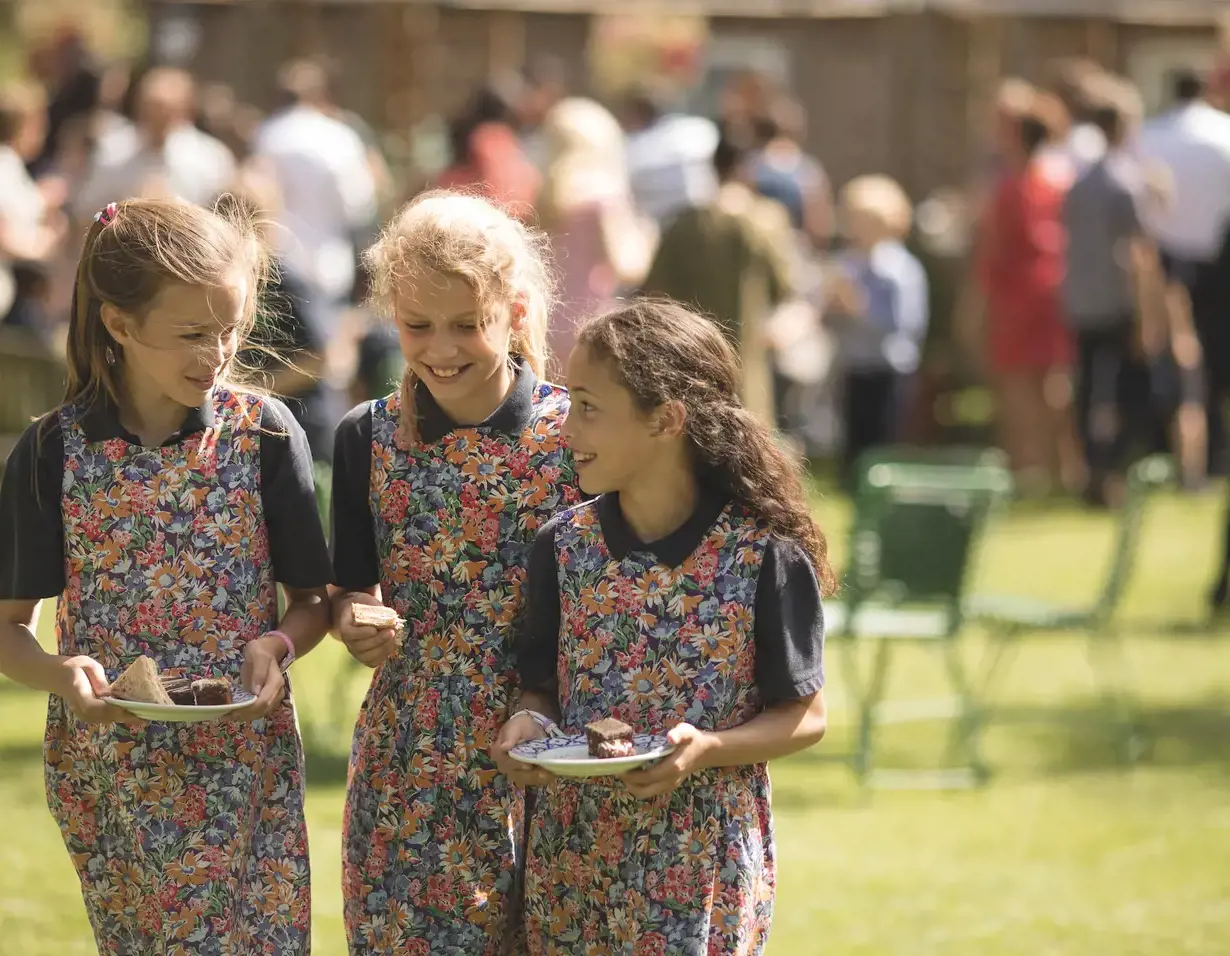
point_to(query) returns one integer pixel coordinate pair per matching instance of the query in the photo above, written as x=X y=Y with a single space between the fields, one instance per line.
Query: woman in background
x=1021 y=265
x=598 y=242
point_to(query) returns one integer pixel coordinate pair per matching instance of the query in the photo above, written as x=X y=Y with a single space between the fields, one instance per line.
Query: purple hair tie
x=107 y=215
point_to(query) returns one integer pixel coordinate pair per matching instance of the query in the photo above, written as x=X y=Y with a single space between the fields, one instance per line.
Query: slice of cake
x=211 y=691
x=609 y=738
x=140 y=683
x=179 y=689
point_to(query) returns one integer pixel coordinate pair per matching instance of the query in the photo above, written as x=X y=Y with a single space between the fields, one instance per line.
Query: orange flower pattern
x=188 y=838
x=654 y=646
x=432 y=834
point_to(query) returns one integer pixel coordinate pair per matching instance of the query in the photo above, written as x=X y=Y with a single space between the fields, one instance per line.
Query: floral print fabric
x=653 y=645
x=432 y=833
x=188 y=838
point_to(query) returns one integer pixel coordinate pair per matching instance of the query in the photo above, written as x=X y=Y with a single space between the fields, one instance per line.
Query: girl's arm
x=777 y=731
x=541 y=702
x=537 y=651
x=81 y=681
x=628 y=242
x=356 y=561
x=305 y=622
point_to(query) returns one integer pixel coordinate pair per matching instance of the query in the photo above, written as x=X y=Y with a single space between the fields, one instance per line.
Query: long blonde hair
x=586 y=147
x=131 y=253
x=464 y=235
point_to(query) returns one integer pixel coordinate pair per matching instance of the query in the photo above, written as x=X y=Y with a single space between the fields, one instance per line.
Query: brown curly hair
x=662 y=352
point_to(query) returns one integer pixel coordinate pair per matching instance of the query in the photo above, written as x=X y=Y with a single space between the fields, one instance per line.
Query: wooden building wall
x=901 y=95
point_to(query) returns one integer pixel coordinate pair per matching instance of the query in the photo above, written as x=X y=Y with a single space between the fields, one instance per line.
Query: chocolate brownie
x=609 y=738
x=179 y=689
x=211 y=691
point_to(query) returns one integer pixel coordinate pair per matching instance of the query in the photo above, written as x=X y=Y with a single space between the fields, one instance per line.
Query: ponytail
x=662 y=352
x=734 y=446
x=92 y=354
x=407 y=415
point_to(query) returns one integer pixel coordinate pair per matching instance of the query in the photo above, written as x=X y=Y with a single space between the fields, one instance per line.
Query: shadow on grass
x=1076 y=739
x=27 y=751
x=1212 y=628
x=325 y=766
x=1057 y=741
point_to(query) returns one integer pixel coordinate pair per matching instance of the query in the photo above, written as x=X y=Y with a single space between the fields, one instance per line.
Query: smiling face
x=185 y=343
x=611 y=439
x=457 y=351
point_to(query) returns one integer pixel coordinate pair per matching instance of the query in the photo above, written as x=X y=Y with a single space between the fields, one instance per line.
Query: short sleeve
x=789 y=625
x=352 y=538
x=538 y=643
x=31 y=526
x=288 y=497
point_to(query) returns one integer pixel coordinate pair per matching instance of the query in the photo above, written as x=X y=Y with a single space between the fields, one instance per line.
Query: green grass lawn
x=1063 y=853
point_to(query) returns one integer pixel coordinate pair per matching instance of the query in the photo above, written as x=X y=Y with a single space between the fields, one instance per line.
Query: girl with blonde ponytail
x=684 y=601
x=438 y=491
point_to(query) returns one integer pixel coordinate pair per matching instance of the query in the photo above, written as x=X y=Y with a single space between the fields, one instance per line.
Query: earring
x=110 y=355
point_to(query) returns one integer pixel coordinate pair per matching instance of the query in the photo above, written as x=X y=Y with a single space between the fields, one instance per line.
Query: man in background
x=327 y=189
x=670 y=157
x=161 y=153
x=1111 y=268
x=1192 y=142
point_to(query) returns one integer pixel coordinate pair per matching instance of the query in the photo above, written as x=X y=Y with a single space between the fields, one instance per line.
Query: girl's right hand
x=368 y=645
x=85 y=684
x=518 y=730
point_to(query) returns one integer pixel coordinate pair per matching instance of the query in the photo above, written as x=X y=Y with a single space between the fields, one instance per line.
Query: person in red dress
x=1020 y=267
x=488 y=158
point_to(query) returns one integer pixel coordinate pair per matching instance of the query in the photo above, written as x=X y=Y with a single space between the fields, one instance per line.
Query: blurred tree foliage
x=110 y=29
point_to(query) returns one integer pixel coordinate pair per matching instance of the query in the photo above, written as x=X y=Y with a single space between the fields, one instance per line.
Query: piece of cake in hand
x=378 y=616
x=140 y=683
x=211 y=691
x=609 y=738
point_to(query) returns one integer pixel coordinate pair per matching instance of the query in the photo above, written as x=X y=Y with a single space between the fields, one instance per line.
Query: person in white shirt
x=328 y=192
x=1192 y=142
x=161 y=154
x=670 y=158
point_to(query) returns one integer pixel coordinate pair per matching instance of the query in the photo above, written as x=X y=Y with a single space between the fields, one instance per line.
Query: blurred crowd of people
x=1099 y=248
x=1101 y=262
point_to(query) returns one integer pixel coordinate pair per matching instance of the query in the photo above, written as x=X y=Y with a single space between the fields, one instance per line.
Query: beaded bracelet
x=290 y=647
x=550 y=727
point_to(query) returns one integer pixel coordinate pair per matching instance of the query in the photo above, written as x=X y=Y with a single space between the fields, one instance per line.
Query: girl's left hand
x=262 y=675
x=691 y=747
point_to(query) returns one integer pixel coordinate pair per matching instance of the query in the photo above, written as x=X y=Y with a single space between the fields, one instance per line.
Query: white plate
x=184 y=713
x=569 y=756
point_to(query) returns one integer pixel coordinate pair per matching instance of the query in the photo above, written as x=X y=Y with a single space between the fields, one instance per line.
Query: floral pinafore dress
x=432 y=834
x=691 y=872
x=188 y=838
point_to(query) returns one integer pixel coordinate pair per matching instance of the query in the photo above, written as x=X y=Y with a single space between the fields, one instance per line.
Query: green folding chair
x=919 y=518
x=1009 y=619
